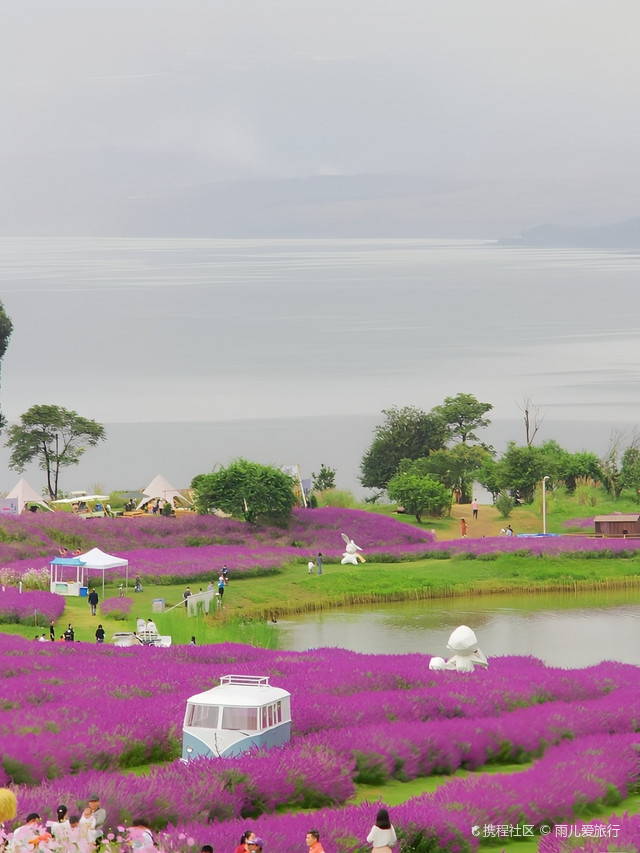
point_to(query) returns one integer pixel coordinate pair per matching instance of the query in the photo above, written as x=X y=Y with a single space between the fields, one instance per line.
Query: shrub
x=505 y=505
x=116 y=608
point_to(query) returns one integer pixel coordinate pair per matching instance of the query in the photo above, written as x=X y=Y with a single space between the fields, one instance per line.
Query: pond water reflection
x=569 y=630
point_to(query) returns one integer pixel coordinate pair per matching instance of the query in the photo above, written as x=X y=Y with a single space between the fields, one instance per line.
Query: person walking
x=99 y=634
x=474 y=507
x=382 y=836
x=93 y=601
x=186 y=595
x=319 y=562
x=52 y=631
x=221 y=587
x=463 y=527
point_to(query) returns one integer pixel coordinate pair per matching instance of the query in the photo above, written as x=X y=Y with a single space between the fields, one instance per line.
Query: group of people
x=69 y=635
x=382 y=838
x=219 y=586
x=146 y=626
x=87 y=826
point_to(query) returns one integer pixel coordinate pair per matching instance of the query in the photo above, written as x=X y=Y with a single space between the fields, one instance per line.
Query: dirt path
x=489 y=522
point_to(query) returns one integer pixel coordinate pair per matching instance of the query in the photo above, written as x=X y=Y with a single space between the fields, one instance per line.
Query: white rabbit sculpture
x=351 y=552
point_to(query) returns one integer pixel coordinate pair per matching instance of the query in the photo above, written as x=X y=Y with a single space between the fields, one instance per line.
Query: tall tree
x=6 y=327
x=462 y=415
x=407 y=433
x=53 y=436
x=324 y=479
x=247 y=490
x=532 y=419
x=612 y=466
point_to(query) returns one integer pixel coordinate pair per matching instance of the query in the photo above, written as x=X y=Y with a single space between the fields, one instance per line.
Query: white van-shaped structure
x=243 y=712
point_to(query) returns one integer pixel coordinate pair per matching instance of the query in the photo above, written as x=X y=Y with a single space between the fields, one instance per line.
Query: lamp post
x=544 y=504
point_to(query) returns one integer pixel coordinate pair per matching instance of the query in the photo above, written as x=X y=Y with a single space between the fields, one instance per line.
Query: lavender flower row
x=34 y=607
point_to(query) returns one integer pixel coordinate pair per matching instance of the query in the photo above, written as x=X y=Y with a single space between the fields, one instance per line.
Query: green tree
x=612 y=466
x=462 y=415
x=407 y=433
x=630 y=470
x=53 y=436
x=247 y=490
x=521 y=468
x=6 y=327
x=457 y=466
x=578 y=466
x=324 y=479
x=419 y=495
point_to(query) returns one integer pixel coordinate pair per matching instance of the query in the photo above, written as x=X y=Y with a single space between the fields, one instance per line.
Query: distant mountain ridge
x=617 y=235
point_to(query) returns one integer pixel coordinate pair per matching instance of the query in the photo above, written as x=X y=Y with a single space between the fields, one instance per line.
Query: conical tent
x=161 y=489
x=24 y=494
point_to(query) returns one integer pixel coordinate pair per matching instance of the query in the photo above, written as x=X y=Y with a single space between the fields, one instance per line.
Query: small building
x=618 y=524
x=242 y=713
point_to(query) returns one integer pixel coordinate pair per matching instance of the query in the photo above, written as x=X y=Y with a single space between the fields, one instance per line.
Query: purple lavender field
x=76 y=717
x=165 y=550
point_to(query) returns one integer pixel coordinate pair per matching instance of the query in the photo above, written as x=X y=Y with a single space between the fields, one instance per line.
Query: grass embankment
x=249 y=602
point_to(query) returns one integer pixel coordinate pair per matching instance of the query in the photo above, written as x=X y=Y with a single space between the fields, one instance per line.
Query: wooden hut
x=618 y=524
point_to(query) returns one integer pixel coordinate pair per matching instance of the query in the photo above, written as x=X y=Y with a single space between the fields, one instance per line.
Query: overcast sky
x=529 y=106
x=292 y=119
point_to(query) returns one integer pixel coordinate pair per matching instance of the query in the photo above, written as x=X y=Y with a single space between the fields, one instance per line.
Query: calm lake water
x=193 y=352
x=562 y=630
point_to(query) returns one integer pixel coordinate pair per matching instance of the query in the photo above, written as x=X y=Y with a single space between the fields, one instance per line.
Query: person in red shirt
x=244 y=841
x=313 y=841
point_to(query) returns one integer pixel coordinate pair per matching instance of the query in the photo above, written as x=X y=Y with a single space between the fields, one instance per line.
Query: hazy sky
x=292 y=119
x=520 y=111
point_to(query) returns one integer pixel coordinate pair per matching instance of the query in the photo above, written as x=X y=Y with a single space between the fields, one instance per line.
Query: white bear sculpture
x=464 y=644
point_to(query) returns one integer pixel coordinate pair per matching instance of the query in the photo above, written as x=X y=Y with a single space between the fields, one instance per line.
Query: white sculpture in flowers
x=466 y=654
x=351 y=552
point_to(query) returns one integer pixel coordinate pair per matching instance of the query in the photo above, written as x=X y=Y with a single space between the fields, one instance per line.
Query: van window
x=244 y=719
x=202 y=716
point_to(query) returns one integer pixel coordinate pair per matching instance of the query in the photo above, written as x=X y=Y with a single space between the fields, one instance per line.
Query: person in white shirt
x=382 y=835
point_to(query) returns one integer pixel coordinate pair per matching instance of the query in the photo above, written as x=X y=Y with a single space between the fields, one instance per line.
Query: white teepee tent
x=160 y=488
x=24 y=493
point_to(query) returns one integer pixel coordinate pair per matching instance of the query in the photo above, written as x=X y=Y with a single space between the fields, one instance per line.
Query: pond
x=567 y=630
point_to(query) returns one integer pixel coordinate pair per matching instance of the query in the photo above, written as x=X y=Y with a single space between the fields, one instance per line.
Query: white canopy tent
x=26 y=494
x=99 y=561
x=161 y=489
